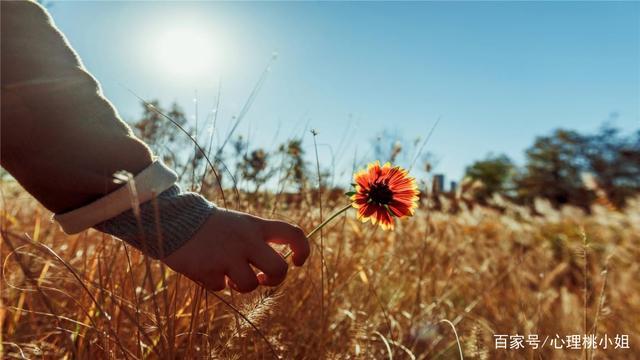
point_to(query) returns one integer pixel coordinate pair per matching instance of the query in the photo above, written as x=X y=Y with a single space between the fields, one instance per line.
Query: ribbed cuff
x=164 y=224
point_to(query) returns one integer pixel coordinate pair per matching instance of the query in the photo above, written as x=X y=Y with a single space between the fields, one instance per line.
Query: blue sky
x=497 y=74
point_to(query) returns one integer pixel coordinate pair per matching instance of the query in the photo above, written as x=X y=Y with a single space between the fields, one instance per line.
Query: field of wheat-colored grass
x=479 y=270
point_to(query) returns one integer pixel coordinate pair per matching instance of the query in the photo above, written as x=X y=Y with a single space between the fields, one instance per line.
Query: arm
x=55 y=121
x=63 y=141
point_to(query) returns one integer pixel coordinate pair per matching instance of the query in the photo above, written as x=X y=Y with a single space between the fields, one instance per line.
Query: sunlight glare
x=187 y=52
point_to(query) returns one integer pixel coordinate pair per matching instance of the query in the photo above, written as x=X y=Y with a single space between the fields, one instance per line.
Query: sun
x=187 y=51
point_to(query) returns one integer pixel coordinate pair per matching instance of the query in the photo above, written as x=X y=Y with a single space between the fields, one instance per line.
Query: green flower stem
x=314 y=231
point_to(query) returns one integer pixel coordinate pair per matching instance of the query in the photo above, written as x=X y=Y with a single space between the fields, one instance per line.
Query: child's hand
x=229 y=242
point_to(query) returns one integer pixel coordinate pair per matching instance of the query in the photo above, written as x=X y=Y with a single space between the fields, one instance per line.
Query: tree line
x=565 y=167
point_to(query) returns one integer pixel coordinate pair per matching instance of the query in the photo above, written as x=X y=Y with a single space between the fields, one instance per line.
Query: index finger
x=280 y=232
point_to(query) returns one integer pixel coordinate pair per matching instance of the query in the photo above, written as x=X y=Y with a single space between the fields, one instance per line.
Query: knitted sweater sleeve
x=150 y=212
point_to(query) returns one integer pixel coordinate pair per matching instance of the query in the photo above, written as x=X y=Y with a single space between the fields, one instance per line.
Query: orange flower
x=383 y=193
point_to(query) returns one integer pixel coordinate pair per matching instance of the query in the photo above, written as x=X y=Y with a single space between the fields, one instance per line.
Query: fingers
x=214 y=282
x=273 y=266
x=242 y=277
x=279 y=232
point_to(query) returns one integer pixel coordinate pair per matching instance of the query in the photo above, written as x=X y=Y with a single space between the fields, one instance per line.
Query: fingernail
x=262 y=278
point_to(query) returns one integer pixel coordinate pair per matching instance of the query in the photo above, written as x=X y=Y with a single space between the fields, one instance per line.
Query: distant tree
x=255 y=169
x=294 y=163
x=168 y=141
x=614 y=161
x=239 y=147
x=154 y=129
x=495 y=173
x=556 y=164
x=553 y=170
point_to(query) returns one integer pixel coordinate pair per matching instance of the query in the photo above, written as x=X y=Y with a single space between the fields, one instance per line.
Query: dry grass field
x=533 y=253
x=483 y=271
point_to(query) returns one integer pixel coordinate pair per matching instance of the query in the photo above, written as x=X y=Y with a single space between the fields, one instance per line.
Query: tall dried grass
x=478 y=271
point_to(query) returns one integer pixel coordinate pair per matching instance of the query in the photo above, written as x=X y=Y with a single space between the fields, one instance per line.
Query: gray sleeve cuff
x=165 y=224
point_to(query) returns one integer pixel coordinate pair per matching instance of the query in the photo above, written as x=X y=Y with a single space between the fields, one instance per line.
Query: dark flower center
x=380 y=193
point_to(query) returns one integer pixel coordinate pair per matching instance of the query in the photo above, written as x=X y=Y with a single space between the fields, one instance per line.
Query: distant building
x=453 y=186
x=438 y=183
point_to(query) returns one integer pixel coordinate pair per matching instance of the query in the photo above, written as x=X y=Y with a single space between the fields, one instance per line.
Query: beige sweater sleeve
x=60 y=137
x=63 y=141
